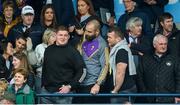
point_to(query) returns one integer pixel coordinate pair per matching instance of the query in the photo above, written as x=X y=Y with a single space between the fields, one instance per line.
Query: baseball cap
x=27 y=10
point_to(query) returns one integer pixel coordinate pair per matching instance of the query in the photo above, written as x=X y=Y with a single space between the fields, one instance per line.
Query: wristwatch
x=113 y=92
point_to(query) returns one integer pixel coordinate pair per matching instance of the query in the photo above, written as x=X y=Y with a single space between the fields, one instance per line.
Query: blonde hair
x=47 y=34
x=3 y=86
x=79 y=45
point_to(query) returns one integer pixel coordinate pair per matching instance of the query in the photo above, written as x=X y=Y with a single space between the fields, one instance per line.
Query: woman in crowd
x=20 y=61
x=23 y=93
x=20 y=44
x=48 y=18
x=7 y=20
x=48 y=39
x=5 y=62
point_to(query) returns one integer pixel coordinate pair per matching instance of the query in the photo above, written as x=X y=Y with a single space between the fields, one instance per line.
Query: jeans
x=37 y=84
x=54 y=100
x=124 y=99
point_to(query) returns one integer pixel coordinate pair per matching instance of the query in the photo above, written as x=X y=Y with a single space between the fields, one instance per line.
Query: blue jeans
x=37 y=84
x=121 y=100
x=54 y=100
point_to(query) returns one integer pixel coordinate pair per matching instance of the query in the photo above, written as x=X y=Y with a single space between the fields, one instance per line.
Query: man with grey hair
x=132 y=11
x=159 y=72
x=138 y=43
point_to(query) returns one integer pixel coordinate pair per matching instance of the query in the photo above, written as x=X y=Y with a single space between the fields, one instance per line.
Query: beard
x=90 y=38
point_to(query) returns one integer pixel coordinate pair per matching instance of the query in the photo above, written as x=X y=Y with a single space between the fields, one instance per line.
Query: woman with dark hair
x=85 y=13
x=20 y=44
x=48 y=18
x=5 y=62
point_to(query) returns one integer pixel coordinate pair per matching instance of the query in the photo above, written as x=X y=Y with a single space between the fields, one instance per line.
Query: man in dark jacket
x=137 y=42
x=133 y=11
x=168 y=29
x=159 y=72
x=35 y=31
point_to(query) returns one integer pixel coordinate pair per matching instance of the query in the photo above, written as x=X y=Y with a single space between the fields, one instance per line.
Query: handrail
x=130 y=95
x=110 y=95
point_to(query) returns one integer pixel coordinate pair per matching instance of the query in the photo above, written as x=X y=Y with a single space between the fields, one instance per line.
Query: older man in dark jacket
x=159 y=72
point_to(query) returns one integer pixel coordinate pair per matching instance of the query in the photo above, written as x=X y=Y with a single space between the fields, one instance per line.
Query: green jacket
x=24 y=95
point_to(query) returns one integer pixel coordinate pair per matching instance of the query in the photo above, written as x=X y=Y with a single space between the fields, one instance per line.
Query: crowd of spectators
x=46 y=48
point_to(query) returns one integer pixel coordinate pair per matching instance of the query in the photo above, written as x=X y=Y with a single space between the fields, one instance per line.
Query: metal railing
x=108 y=95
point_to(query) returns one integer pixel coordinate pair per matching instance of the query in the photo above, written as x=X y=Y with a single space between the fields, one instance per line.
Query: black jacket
x=35 y=34
x=144 y=45
x=173 y=41
x=4 y=71
x=159 y=75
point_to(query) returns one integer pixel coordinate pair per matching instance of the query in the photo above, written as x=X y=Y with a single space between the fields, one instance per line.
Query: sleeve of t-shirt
x=122 y=56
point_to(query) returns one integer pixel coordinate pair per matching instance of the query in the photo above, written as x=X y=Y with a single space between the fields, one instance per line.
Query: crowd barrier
x=107 y=95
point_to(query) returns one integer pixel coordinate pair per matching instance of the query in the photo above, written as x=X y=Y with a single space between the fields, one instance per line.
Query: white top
x=39 y=52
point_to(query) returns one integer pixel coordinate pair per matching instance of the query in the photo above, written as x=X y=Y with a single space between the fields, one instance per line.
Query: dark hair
x=54 y=21
x=91 y=8
x=3 y=45
x=117 y=31
x=164 y=16
x=21 y=37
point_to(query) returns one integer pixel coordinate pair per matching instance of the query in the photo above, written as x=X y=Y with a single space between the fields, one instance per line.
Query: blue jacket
x=146 y=27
